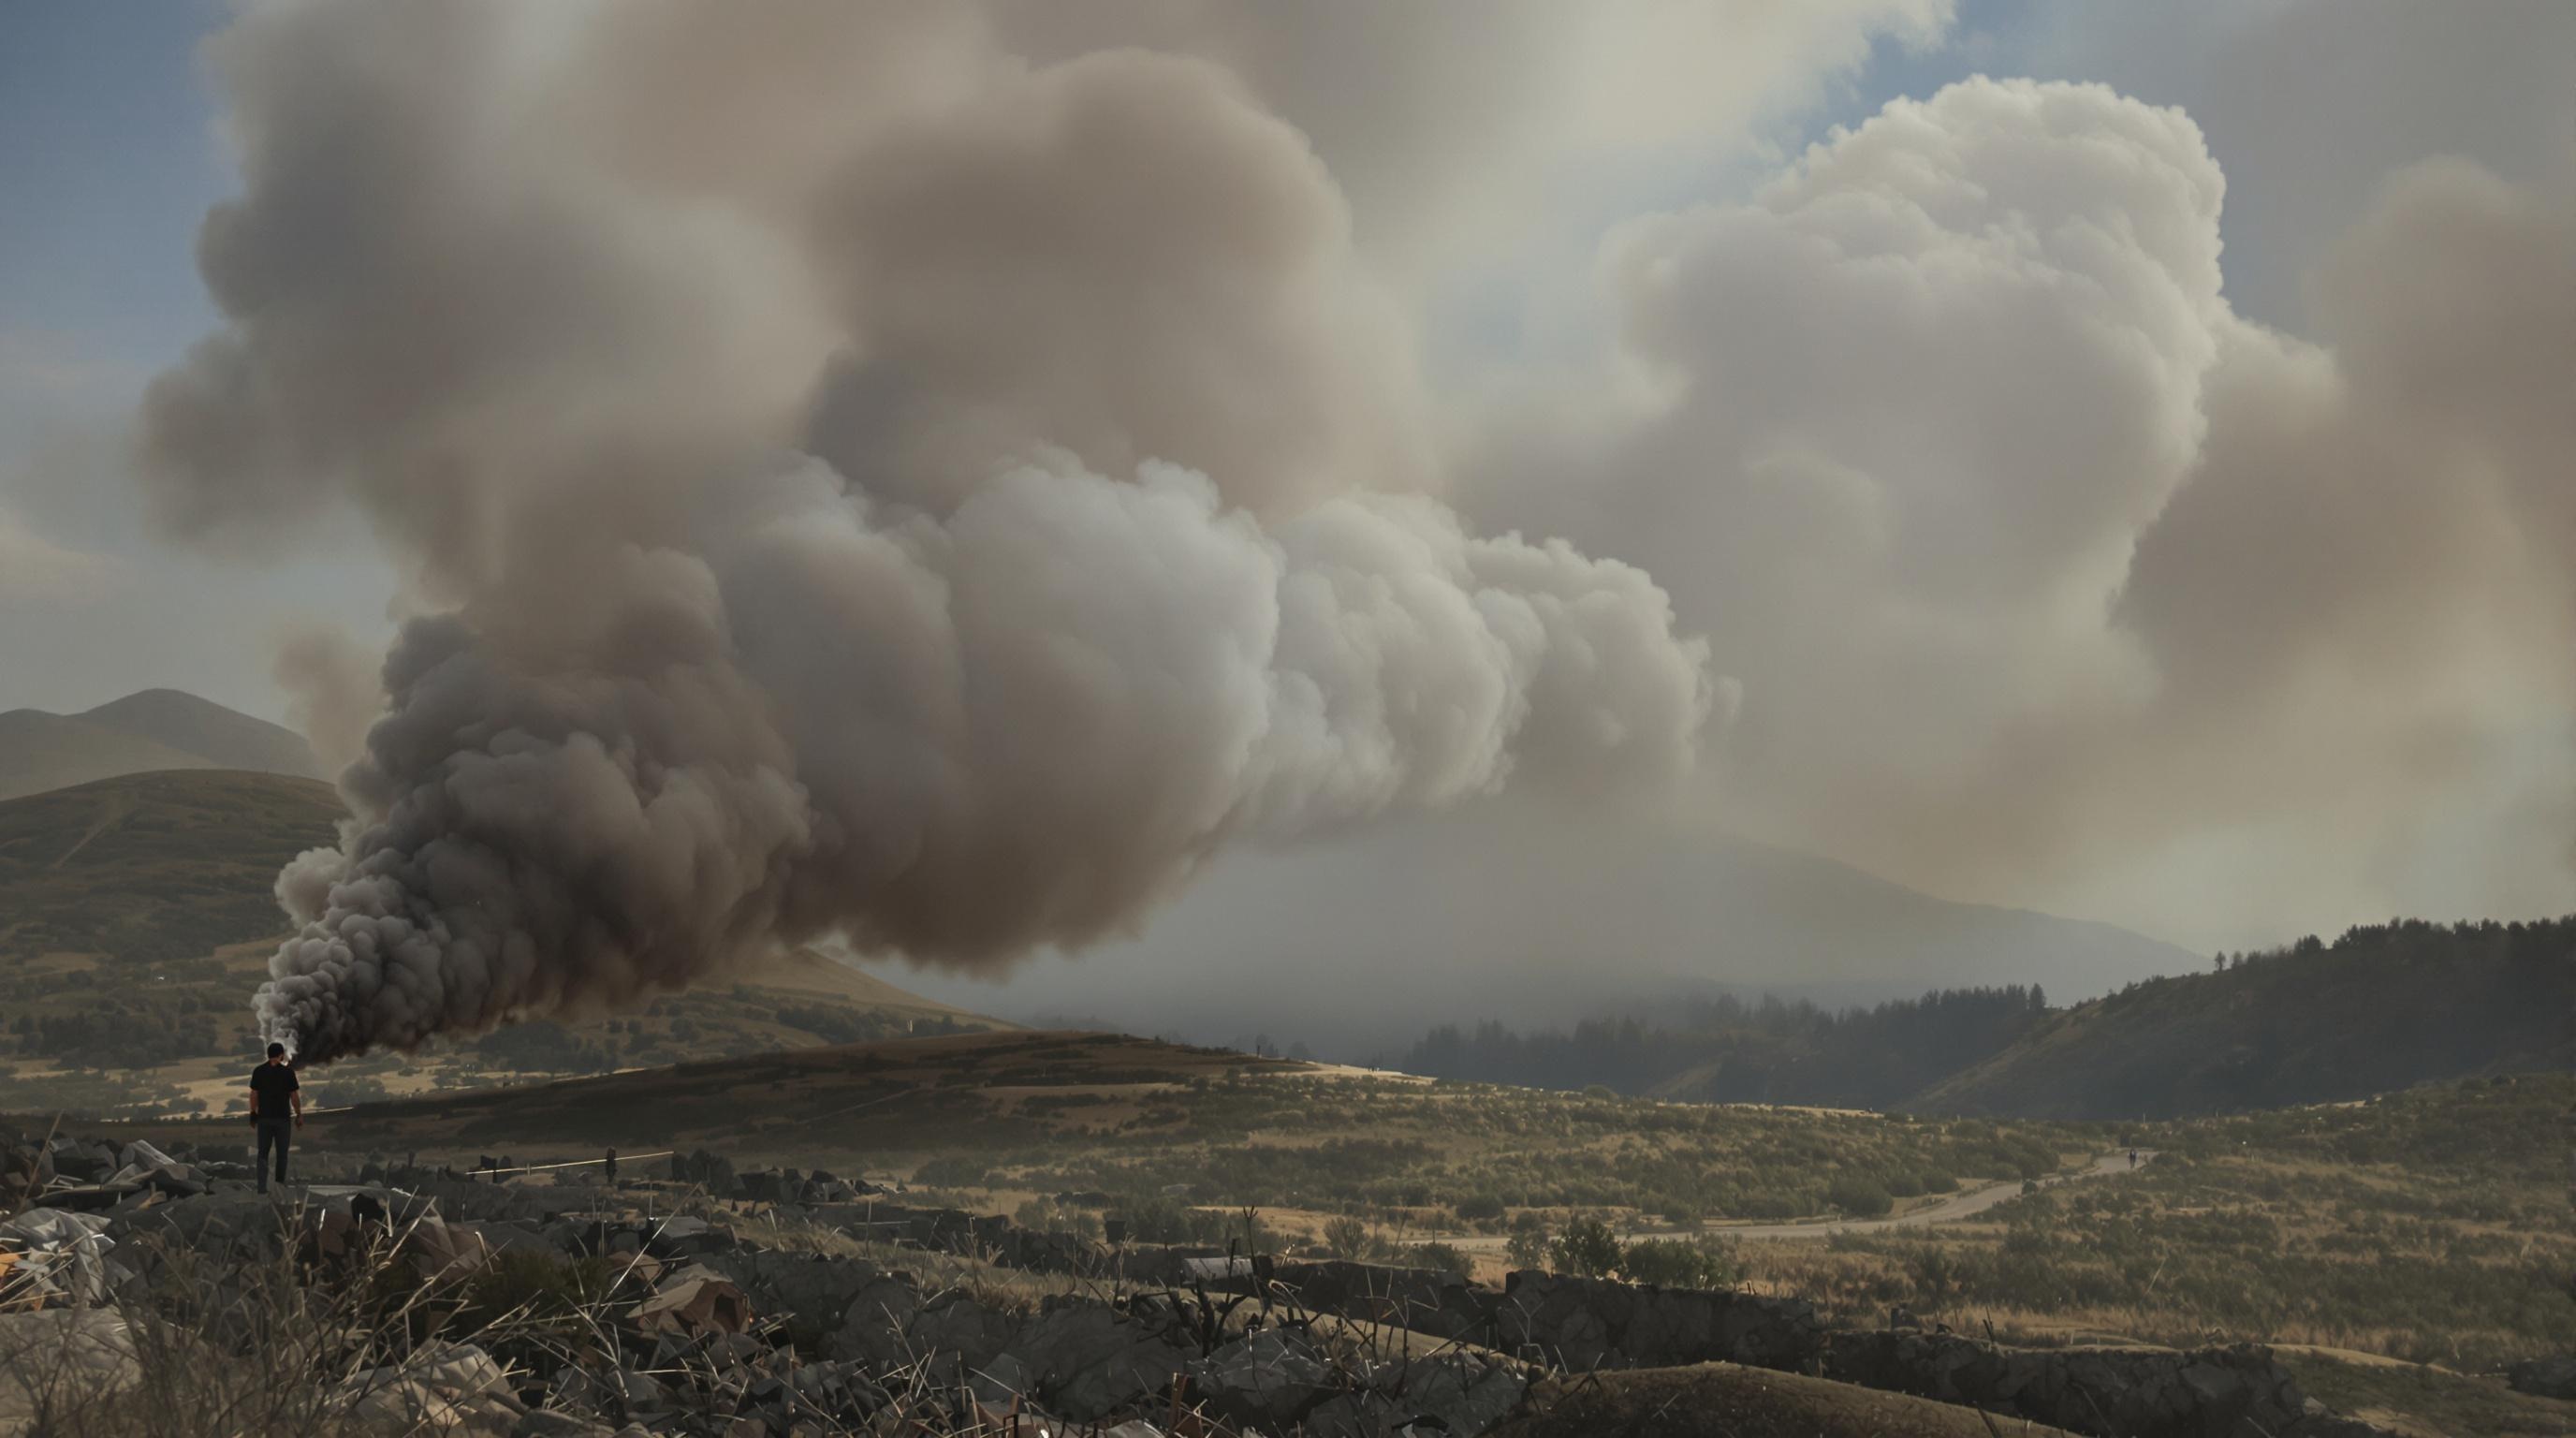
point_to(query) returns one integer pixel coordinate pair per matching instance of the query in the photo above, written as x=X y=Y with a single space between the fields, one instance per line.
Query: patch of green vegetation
x=1290 y=1141
x=151 y=869
x=2431 y=1226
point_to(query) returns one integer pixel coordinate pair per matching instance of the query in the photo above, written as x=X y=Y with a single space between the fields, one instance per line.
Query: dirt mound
x=1721 y=1400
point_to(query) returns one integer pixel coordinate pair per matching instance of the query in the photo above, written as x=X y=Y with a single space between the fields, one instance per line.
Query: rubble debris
x=447 y=1389
x=696 y=1300
x=54 y=1257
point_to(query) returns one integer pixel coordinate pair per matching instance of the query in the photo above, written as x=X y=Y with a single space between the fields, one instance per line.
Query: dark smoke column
x=1094 y=684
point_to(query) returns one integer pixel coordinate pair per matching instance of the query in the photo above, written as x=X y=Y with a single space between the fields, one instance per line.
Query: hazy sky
x=2145 y=497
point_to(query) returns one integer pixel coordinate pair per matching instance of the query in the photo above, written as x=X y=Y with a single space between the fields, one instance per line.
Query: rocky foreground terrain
x=152 y=1292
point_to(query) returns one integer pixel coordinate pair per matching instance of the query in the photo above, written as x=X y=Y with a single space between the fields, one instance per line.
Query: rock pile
x=697 y=1330
x=1423 y=1300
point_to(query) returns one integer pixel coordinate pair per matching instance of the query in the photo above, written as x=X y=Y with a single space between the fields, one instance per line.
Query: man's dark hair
x=277 y=1051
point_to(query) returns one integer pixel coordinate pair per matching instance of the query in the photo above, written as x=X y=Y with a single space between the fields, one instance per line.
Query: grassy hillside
x=2380 y=1009
x=2432 y=1226
x=1006 y=1117
x=148 y=869
x=136 y=917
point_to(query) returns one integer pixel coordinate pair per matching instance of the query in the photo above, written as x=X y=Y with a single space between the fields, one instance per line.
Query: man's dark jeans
x=274 y=1132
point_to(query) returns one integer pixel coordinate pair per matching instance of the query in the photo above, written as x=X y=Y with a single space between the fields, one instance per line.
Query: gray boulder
x=1457 y=1394
x=1585 y=1323
x=814 y=1287
x=454 y=1389
x=1269 y=1380
x=1090 y=1360
x=889 y=1325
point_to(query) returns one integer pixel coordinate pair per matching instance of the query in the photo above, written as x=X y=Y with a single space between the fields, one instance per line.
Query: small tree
x=1447 y=1257
x=1860 y=1196
x=1587 y=1249
x=1672 y=1263
x=1348 y=1237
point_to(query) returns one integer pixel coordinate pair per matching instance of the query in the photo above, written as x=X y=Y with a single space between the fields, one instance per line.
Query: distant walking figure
x=276 y=1110
x=2133 y=1158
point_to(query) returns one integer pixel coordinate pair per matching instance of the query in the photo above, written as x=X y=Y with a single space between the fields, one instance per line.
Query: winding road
x=1957 y=1206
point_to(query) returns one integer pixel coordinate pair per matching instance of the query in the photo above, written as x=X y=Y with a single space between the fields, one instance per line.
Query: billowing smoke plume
x=865 y=482
x=2052 y=578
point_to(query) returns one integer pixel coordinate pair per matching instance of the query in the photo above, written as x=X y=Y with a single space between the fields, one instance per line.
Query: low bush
x=1860 y=1195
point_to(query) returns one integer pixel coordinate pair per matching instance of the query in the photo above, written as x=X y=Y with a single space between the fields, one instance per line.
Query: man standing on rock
x=276 y=1110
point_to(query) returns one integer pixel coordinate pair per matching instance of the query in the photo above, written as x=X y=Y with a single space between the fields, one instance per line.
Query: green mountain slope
x=137 y=916
x=151 y=868
x=2382 y=1008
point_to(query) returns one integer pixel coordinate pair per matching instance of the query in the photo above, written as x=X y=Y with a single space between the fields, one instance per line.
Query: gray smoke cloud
x=861 y=480
x=334 y=691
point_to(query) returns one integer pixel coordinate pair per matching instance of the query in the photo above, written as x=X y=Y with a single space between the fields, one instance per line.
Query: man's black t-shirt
x=269 y=1086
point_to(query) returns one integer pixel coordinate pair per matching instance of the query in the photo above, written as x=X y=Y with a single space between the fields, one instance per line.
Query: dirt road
x=1965 y=1204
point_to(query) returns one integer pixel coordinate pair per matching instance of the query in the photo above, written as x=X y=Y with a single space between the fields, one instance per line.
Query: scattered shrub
x=1587 y=1249
x=1860 y=1196
x=1447 y=1257
x=1674 y=1263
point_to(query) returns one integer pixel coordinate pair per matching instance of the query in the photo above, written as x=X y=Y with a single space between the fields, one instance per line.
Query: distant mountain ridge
x=1359 y=946
x=154 y=729
x=2384 y=1008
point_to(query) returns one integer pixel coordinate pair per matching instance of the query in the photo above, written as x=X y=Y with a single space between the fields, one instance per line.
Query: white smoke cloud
x=334 y=692
x=2050 y=577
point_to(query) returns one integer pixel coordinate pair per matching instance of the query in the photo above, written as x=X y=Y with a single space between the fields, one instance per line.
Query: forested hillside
x=2382 y=1008
x=1728 y=1050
